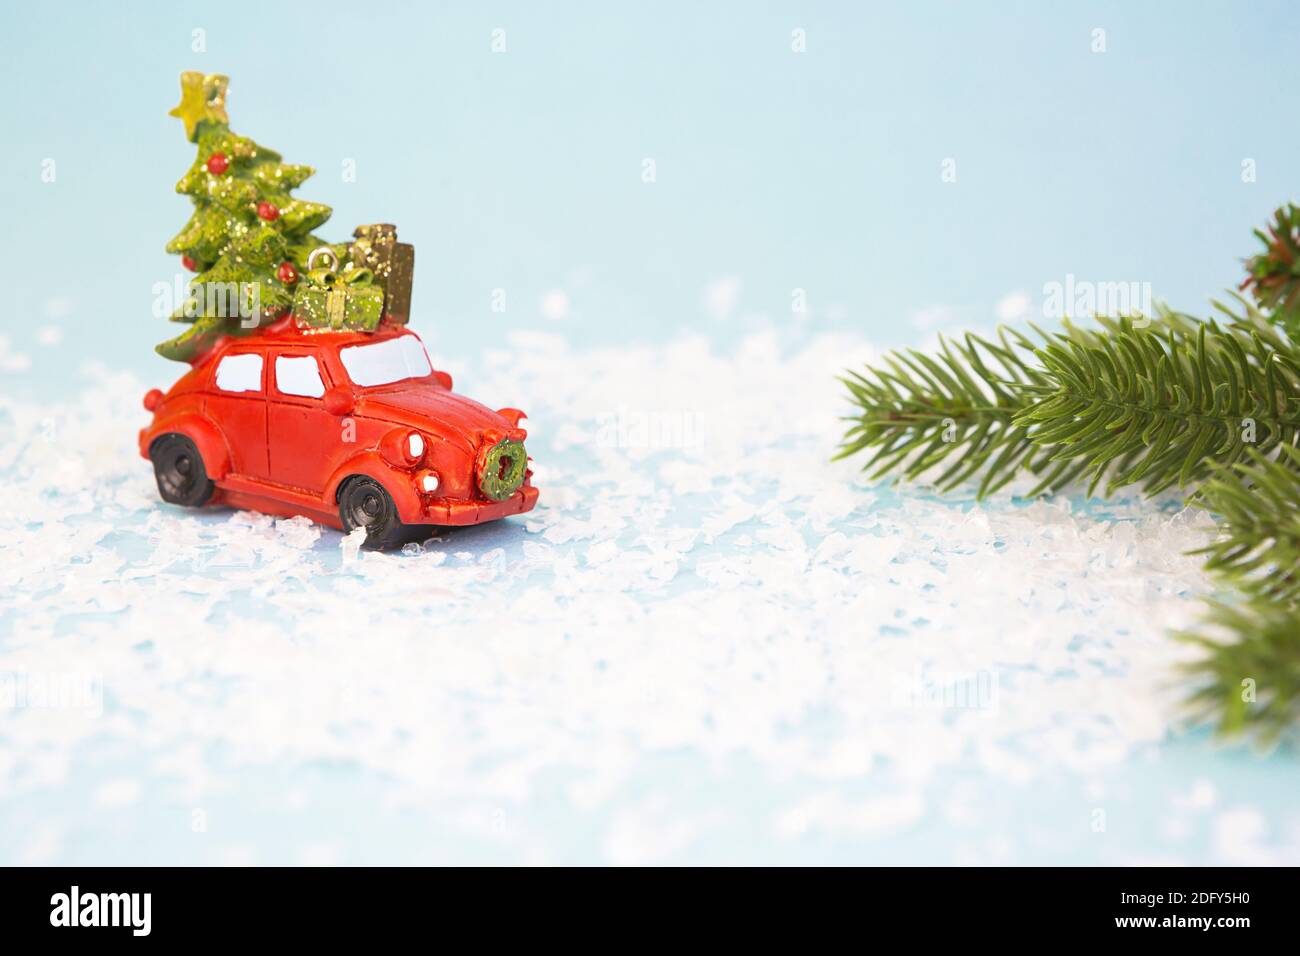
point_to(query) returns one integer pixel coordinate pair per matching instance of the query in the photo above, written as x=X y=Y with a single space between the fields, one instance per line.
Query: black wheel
x=178 y=466
x=363 y=503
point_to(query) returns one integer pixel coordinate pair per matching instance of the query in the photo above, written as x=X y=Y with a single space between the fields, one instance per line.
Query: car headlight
x=429 y=482
x=403 y=448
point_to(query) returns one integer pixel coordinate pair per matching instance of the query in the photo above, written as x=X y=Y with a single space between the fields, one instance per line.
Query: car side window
x=240 y=373
x=298 y=375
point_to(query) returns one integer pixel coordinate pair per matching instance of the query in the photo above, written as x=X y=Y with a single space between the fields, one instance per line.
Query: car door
x=304 y=438
x=236 y=402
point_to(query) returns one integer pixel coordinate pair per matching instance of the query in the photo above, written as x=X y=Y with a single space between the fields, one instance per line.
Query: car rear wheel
x=363 y=503
x=178 y=468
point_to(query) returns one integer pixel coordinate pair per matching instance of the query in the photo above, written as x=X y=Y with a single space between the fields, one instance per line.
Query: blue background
x=521 y=170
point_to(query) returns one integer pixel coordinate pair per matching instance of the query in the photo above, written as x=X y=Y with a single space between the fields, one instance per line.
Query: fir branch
x=1259 y=550
x=1249 y=674
x=991 y=405
x=1161 y=405
x=955 y=408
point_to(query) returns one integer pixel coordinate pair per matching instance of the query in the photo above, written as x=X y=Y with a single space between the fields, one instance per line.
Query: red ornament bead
x=268 y=211
x=218 y=164
x=189 y=263
x=287 y=273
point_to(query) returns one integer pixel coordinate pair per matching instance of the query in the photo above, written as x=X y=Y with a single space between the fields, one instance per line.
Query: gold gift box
x=375 y=247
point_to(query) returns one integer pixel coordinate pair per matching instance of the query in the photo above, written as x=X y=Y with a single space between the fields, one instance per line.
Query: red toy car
x=352 y=429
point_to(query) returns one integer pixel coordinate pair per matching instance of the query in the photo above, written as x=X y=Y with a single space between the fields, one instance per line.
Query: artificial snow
x=698 y=582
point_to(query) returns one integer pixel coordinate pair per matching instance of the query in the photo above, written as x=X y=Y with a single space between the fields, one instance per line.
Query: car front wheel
x=178 y=467
x=363 y=503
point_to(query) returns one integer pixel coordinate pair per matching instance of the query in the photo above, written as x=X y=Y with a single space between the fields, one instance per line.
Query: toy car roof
x=286 y=331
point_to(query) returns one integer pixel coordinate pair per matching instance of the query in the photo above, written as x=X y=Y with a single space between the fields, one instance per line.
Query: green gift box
x=330 y=298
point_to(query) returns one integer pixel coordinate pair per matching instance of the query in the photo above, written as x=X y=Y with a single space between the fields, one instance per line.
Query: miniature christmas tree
x=1169 y=401
x=249 y=240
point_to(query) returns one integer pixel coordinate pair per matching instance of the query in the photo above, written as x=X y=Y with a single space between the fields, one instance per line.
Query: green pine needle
x=955 y=408
x=1161 y=405
x=1249 y=674
x=1158 y=403
x=1259 y=550
x=1248 y=678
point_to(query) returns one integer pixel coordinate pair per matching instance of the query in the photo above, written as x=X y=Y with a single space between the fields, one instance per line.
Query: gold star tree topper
x=203 y=99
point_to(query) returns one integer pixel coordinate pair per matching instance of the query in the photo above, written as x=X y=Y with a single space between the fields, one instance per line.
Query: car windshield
x=380 y=363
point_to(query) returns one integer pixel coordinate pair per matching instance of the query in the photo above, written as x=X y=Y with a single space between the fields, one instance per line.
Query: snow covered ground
x=707 y=644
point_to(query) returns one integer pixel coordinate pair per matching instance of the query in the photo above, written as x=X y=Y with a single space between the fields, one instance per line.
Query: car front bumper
x=442 y=511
